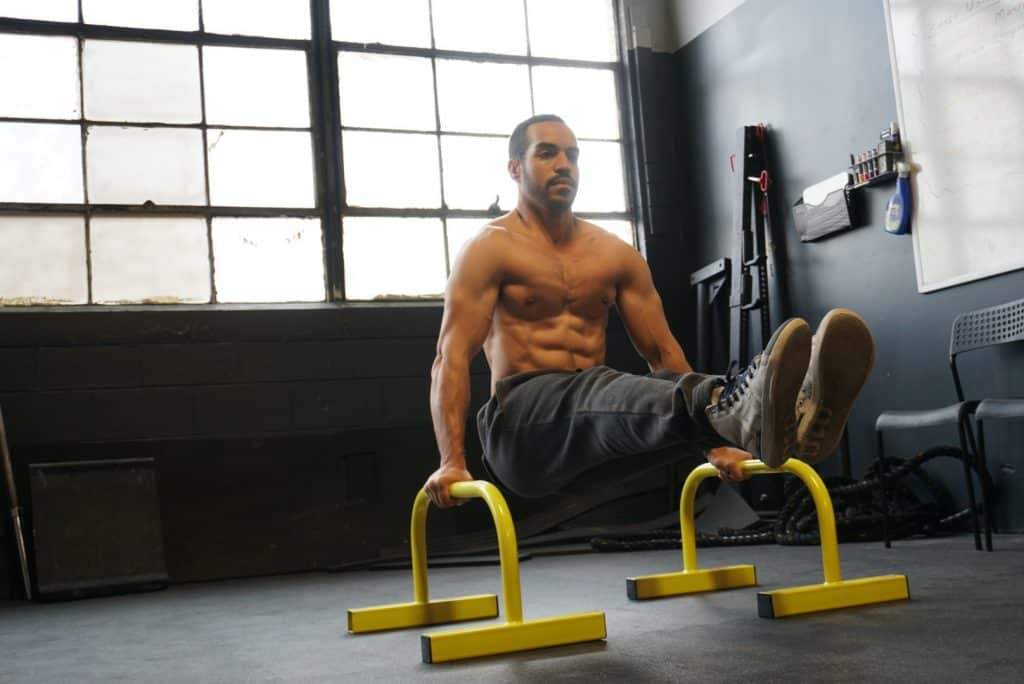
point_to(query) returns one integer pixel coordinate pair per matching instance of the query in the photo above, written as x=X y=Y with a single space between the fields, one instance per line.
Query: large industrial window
x=206 y=151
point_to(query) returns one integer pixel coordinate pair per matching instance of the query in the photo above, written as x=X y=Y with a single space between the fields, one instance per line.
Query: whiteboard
x=958 y=69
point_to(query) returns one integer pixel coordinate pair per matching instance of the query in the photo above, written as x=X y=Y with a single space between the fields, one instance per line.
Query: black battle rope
x=858 y=509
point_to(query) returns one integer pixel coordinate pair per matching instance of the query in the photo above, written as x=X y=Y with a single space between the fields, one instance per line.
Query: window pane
x=45 y=82
x=495 y=26
x=391 y=22
x=254 y=87
x=406 y=99
x=49 y=167
x=482 y=97
x=620 y=229
x=246 y=250
x=391 y=170
x=585 y=98
x=131 y=81
x=476 y=172
x=51 y=10
x=179 y=15
x=393 y=257
x=258 y=18
x=138 y=165
x=261 y=168
x=593 y=29
x=602 y=187
x=149 y=260
x=459 y=233
x=42 y=260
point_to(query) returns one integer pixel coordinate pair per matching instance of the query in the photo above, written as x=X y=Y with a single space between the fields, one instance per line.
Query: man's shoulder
x=605 y=237
x=589 y=228
x=486 y=248
x=492 y=234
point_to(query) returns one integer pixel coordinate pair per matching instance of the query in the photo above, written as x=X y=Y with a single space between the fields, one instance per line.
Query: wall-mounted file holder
x=823 y=209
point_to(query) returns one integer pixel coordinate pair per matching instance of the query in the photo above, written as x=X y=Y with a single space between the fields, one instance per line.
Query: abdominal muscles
x=566 y=341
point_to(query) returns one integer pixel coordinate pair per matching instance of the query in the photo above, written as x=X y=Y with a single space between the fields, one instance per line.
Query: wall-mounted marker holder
x=876 y=165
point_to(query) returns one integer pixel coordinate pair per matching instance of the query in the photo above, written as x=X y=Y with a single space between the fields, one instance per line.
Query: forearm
x=668 y=356
x=449 y=402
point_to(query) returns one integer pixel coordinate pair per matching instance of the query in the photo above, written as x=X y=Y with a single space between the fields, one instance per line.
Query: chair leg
x=986 y=487
x=968 y=458
x=882 y=471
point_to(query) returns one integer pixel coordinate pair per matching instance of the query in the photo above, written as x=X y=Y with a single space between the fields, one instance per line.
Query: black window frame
x=326 y=134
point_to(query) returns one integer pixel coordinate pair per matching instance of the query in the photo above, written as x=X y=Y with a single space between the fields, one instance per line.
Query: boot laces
x=736 y=385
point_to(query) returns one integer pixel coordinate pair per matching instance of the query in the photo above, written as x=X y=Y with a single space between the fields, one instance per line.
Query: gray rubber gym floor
x=964 y=622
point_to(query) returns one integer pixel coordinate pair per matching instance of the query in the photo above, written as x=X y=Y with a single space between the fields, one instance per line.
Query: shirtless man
x=533 y=290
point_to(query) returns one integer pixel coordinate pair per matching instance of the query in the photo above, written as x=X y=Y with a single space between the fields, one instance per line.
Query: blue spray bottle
x=897 y=213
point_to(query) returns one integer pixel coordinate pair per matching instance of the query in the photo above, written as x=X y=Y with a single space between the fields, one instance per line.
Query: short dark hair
x=517 y=142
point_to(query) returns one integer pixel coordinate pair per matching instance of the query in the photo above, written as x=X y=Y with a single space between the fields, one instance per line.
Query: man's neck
x=558 y=225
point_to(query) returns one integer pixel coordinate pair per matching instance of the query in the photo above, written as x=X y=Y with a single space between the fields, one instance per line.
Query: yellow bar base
x=459 y=644
x=692 y=582
x=439 y=611
x=814 y=598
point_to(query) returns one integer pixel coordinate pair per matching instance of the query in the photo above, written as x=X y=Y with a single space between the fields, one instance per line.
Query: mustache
x=559 y=178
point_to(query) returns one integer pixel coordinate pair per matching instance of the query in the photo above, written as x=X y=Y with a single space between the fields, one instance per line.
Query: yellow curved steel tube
x=515 y=634
x=833 y=593
x=508 y=549
x=822 y=503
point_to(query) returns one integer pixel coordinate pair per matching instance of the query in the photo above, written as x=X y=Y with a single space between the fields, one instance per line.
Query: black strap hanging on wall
x=753 y=245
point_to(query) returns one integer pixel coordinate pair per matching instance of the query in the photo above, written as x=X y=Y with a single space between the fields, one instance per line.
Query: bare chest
x=543 y=284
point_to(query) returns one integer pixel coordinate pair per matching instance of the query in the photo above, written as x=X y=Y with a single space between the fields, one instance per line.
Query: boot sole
x=788 y=356
x=846 y=355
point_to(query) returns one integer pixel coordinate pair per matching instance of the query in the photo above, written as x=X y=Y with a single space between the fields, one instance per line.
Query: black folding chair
x=972 y=330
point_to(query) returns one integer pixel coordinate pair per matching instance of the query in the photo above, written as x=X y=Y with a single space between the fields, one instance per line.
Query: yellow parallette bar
x=833 y=593
x=690 y=581
x=814 y=598
x=515 y=635
x=438 y=612
x=819 y=493
x=459 y=644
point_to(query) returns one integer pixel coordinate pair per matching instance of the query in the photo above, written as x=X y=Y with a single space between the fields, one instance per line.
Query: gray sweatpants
x=544 y=430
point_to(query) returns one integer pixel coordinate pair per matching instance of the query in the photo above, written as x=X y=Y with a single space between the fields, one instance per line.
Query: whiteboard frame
x=923 y=287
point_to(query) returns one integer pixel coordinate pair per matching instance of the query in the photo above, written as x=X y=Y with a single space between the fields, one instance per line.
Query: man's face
x=548 y=173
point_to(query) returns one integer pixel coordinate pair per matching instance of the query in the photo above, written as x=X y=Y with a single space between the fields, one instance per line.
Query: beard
x=542 y=193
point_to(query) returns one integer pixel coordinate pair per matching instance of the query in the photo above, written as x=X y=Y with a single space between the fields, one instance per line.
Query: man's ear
x=514 y=169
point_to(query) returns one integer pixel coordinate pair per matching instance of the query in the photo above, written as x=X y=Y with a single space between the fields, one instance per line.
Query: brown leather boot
x=842 y=354
x=754 y=410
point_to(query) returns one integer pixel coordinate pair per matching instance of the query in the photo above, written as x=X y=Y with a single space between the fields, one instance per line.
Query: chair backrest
x=984 y=328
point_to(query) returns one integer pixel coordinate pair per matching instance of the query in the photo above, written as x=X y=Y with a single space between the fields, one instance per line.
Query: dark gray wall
x=818 y=73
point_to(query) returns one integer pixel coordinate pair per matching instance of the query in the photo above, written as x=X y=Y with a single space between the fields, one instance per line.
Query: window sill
x=194 y=308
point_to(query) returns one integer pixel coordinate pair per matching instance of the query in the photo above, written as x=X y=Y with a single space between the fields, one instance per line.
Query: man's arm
x=644 y=316
x=642 y=313
x=469 y=303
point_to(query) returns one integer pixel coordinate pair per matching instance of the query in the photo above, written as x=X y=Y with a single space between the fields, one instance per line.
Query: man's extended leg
x=544 y=429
